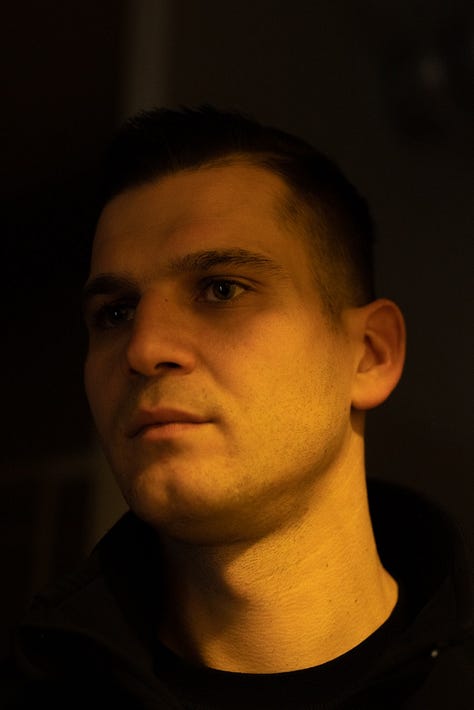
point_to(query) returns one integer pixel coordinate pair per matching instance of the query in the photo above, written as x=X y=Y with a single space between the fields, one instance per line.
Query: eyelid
x=228 y=279
x=206 y=283
x=99 y=300
x=98 y=314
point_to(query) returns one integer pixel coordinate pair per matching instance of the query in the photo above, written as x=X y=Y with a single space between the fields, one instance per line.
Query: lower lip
x=156 y=432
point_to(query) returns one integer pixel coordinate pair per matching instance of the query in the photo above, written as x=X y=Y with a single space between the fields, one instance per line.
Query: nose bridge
x=157 y=336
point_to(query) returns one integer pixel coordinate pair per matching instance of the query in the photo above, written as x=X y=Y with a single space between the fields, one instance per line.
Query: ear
x=381 y=335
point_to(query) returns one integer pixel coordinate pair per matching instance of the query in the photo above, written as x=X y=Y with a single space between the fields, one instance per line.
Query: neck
x=313 y=590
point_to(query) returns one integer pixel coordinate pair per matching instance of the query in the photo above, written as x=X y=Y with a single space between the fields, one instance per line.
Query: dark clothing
x=90 y=640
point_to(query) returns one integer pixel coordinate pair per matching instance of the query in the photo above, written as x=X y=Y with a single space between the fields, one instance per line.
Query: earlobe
x=381 y=354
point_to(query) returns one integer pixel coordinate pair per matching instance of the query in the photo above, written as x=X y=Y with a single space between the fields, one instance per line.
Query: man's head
x=202 y=298
x=320 y=203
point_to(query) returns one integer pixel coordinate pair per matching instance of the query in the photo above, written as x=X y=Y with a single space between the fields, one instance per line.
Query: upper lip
x=162 y=415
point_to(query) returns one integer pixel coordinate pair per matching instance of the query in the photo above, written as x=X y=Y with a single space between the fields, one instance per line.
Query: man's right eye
x=113 y=315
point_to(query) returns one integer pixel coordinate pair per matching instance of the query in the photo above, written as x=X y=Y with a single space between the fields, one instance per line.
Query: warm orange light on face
x=259 y=359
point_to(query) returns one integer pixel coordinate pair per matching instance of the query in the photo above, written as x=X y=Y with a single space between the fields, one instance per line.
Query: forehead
x=216 y=207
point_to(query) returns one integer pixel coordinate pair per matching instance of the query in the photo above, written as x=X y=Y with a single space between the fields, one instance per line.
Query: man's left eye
x=224 y=290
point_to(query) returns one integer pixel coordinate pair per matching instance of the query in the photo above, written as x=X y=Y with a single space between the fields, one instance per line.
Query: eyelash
x=101 y=317
x=212 y=282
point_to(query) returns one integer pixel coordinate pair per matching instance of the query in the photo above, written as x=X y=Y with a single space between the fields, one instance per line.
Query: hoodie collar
x=112 y=602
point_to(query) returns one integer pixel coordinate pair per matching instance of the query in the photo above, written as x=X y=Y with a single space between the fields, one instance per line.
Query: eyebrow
x=199 y=261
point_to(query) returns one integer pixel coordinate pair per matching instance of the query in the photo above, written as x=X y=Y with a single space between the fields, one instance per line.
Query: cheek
x=269 y=376
x=88 y=377
x=98 y=387
x=90 y=385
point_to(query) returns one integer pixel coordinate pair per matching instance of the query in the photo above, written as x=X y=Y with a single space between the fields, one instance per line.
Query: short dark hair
x=335 y=218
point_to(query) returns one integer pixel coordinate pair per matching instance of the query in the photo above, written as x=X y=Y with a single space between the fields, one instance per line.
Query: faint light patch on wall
x=144 y=63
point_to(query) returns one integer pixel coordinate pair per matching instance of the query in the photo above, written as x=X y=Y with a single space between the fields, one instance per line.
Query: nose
x=159 y=339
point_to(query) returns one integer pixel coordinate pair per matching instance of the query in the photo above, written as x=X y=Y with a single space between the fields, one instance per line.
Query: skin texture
x=263 y=509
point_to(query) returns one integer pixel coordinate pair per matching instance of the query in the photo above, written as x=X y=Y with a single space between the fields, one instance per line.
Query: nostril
x=141 y=370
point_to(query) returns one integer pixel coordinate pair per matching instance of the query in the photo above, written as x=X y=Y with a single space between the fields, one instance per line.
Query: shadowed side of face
x=219 y=391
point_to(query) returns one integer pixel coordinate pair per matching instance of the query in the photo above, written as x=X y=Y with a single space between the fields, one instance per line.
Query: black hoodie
x=89 y=640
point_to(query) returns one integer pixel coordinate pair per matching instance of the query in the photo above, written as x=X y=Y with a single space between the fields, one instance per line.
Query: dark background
x=383 y=86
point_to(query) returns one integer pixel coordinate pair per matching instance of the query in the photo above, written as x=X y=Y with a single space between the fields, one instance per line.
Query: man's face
x=244 y=346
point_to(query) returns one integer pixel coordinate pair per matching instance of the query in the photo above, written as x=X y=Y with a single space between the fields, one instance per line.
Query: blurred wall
x=382 y=87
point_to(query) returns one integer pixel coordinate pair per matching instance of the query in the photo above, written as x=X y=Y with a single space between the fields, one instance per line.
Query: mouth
x=163 y=420
x=168 y=430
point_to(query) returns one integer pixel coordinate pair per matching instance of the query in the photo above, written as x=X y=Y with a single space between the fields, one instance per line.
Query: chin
x=192 y=526
x=190 y=516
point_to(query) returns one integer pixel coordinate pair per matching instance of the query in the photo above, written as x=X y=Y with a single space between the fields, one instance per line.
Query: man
x=235 y=345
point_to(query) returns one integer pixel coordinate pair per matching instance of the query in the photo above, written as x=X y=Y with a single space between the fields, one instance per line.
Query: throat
x=233 y=617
